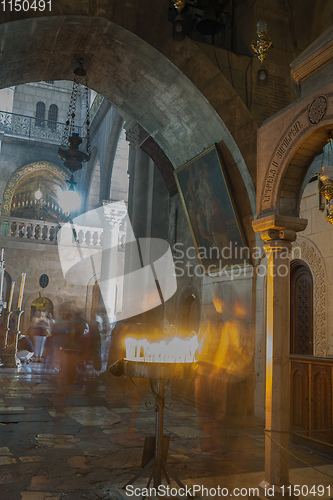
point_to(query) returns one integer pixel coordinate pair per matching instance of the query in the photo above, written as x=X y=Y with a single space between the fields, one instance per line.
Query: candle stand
x=8 y=352
x=158 y=373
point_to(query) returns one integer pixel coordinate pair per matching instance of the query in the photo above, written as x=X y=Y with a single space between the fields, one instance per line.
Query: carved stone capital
x=278 y=231
x=135 y=134
x=278 y=246
x=113 y=213
x=279 y=222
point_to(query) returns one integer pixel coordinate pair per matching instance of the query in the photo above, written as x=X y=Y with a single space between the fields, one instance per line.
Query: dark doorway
x=301 y=308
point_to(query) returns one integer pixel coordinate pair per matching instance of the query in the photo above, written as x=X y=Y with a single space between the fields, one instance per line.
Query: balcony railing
x=37 y=231
x=33 y=128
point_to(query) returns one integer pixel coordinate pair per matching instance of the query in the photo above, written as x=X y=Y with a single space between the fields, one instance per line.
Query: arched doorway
x=41 y=304
x=190 y=314
x=301 y=308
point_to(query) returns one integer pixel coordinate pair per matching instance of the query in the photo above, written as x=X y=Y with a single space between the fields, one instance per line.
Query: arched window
x=301 y=308
x=53 y=117
x=190 y=314
x=40 y=114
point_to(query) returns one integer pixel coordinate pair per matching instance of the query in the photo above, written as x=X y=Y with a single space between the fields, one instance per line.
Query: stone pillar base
x=272 y=492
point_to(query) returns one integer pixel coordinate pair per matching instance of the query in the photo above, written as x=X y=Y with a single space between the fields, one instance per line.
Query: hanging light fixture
x=178 y=24
x=38 y=194
x=70 y=200
x=69 y=150
x=325 y=180
x=262 y=45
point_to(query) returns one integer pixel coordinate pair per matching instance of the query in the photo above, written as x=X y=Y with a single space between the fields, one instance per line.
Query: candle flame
x=177 y=350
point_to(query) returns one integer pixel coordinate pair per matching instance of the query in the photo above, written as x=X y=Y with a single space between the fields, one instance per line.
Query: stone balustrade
x=37 y=231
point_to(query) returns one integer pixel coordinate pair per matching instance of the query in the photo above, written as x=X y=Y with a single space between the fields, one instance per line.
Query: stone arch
x=190 y=314
x=308 y=252
x=31 y=298
x=93 y=280
x=140 y=70
x=25 y=170
x=295 y=138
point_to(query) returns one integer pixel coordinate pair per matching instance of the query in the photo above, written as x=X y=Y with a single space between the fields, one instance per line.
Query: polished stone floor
x=86 y=452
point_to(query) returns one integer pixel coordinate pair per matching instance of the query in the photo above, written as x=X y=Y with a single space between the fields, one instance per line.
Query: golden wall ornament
x=179 y=5
x=263 y=45
x=325 y=180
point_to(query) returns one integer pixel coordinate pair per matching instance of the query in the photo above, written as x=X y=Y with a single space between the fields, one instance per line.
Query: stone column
x=277 y=232
x=140 y=169
x=113 y=214
x=141 y=175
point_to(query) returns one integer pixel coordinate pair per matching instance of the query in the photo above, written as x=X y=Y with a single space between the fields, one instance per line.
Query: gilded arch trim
x=287 y=145
x=23 y=171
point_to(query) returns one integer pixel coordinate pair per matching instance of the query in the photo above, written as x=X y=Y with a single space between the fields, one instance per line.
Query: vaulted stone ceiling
x=172 y=89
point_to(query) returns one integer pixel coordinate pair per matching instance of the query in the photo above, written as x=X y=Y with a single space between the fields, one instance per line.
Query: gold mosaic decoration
x=23 y=171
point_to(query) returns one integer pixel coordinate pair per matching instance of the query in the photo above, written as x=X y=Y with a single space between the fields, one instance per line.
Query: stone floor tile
x=40 y=495
x=185 y=432
x=30 y=459
x=78 y=462
x=5 y=451
x=11 y=409
x=93 y=415
x=7 y=460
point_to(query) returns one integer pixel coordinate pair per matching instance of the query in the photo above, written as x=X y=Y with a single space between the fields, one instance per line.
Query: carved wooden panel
x=299 y=394
x=301 y=309
x=321 y=403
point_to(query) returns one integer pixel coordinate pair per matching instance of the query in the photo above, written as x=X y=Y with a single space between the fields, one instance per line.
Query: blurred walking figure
x=25 y=349
x=224 y=360
x=67 y=334
x=39 y=330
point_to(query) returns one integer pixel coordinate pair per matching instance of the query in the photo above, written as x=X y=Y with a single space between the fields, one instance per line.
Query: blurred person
x=90 y=349
x=25 y=349
x=49 y=342
x=225 y=358
x=67 y=334
x=39 y=330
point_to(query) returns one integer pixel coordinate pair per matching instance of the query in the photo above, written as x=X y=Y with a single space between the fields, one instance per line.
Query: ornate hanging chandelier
x=69 y=150
x=263 y=45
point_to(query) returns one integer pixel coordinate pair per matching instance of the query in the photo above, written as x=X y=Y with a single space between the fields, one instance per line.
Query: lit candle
x=21 y=292
x=11 y=296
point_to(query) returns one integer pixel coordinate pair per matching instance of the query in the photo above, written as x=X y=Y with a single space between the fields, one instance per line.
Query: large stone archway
x=171 y=89
x=289 y=144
